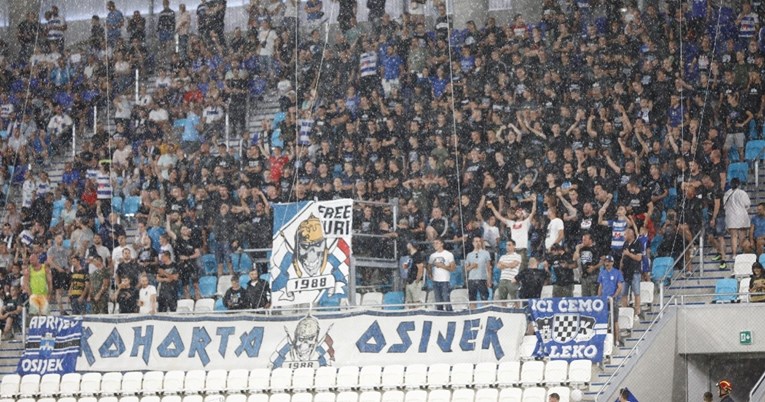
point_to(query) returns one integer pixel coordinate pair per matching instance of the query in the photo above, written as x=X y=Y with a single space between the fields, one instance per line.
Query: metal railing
x=670 y=273
x=758 y=391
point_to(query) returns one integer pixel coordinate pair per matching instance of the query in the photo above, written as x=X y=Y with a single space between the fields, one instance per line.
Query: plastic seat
x=485 y=375
x=236 y=397
x=580 y=372
x=463 y=395
x=564 y=393
x=281 y=379
x=438 y=375
x=647 y=291
x=556 y=372
x=130 y=398
x=68 y=398
x=185 y=306
x=459 y=299
x=30 y=385
x=534 y=394
x=392 y=377
x=528 y=346
x=194 y=382
x=742 y=266
x=393 y=301
x=440 y=395
x=150 y=398
x=215 y=381
x=626 y=318
x=725 y=290
x=325 y=378
x=9 y=387
x=415 y=376
x=608 y=346
x=511 y=395
x=372 y=299
x=532 y=373
x=743 y=290
x=462 y=375
x=577 y=290
x=173 y=382
x=323 y=397
x=90 y=384
x=70 y=384
x=50 y=384
x=237 y=380
x=280 y=397
x=347 y=396
x=547 y=291
x=487 y=395
x=131 y=205
x=257 y=398
x=739 y=170
x=508 y=374
x=153 y=382
x=259 y=380
x=132 y=383
x=208 y=286
x=302 y=379
x=219 y=306
x=302 y=397
x=661 y=268
x=209 y=265
x=347 y=378
x=370 y=377
x=111 y=383
x=117 y=204
x=224 y=283
x=370 y=396
x=416 y=395
x=108 y=398
x=214 y=398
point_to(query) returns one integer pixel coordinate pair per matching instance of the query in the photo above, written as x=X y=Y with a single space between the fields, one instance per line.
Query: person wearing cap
x=724 y=388
x=610 y=283
x=478 y=266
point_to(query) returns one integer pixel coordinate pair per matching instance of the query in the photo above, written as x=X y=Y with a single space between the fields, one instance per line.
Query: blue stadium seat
x=762 y=259
x=754 y=153
x=219 y=306
x=265 y=277
x=208 y=286
x=739 y=170
x=392 y=298
x=117 y=204
x=457 y=279
x=662 y=268
x=241 y=262
x=209 y=265
x=670 y=201
x=131 y=205
x=725 y=290
x=244 y=280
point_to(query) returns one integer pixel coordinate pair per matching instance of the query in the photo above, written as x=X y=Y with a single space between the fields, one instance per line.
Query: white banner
x=311 y=252
x=252 y=341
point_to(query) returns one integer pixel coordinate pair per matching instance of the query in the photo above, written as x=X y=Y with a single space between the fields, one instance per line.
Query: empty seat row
x=535 y=394
x=346 y=378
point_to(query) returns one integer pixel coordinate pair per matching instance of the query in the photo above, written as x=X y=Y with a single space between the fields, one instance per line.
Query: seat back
x=743 y=290
x=208 y=285
x=393 y=301
x=742 y=265
x=511 y=395
x=415 y=376
x=532 y=373
x=487 y=395
x=195 y=381
x=438 y=375
x=754 y=150
x=556 y=372
x=463 y=395
x=392 y=377
x=204 y=306
x=485 y=374
x=661 y=268
x=462 y=375
x=370 y=377
x=153 y=382
x=647 y=290
x=459 y=299
x=185 y=306
x=725 y=290
x=739 y=170
x=508 y=373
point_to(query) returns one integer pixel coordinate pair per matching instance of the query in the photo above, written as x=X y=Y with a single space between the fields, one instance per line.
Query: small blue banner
x=570 y=328
x=52 y=346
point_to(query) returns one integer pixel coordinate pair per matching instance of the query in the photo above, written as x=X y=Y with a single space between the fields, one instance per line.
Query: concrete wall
x=715 y=329
x=704 y=371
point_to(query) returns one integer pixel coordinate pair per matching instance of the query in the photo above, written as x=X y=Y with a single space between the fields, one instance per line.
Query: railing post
x=701 y=254
x=227 y=129
x=661 y=297
x=136 y=85
x=352 y=282
x=23 y=325
x=74 y=139
x=95 y=119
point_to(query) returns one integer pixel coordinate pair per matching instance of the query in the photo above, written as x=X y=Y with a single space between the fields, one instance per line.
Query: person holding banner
x=441 y=263
x=611 y=281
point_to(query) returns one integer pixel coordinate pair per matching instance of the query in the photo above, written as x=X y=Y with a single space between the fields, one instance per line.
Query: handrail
x=633 y=351
x=758 y=391
x=671 y=271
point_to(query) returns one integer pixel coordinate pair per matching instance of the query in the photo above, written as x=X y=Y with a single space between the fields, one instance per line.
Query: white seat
x=347 y=378
x=462 y=375
x=370 y=396
x=302 y=379
x=547 y=291
x=485 y=375
x=49 y=399
x=90 y=384
x=460 y=300
x=580 y=372
x=236 y=397
x=347 y=396
x=9 y=387
x=532 y=373
x=647 y=290
x=393 y=396
x=214 y=398
x=508 y=373
x=440 y=395
x=392 y=377
x=256 y=397
x=564 y=393
x=224 y=282
x=171 y=398
x=153 y=382
x=173 y=382
x=325 y=379
x=30 y=385
x=438 y=375
x=129 y=398
x=487 y=395
x=372 y=299
x=577 y=290
x=150 y=398
x=528 y=345
x=742 y=266
x=323 y=397
x=556 y=372
x=107 y=398
x=68 y=398
x=608 y=346
x=259 y=380
x=743 y=290
x=70 y=384
x=204 y=306
x=111 y=383
x=535 y=394
x=626 y=319
x=215 y=381
x=370 y=377
x=185 y=306
x=132 y=383
x=50 y=385
x=302 y=397
x=280 y=397
x=25 y=400
x=194 y=382
x=237 y=380
x=463 y=395
x=511 y=395
x=281 y=379
x=416 y=395
x=415 y=376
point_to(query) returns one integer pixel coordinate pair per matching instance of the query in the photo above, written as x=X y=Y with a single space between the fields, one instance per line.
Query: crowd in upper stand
x=597 y=132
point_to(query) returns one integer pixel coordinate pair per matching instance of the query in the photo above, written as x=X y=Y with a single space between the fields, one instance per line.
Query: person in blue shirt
x=114 y=22
x=610 y=283
x=391 y=64
x=757 y=229
x=190 y=139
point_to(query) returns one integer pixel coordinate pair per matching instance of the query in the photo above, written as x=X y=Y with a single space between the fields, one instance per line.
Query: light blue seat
x=244 y=280
x=726 y=290
x=762 y=259
x=117 y=204
x=131 y=205
x=661 y=269
x=457 y=278
x=754 y=153
x=208 y=286
x=209 y=265
x=393 y=301
x=219 y=306
x=242 y=262
x=738 y=170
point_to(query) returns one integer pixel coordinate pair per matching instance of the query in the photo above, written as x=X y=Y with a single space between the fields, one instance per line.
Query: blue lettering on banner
x=199 y=341
x=491 y=339
x=403 y=332
x=142 y=341
x=469 y=334
x=85 y=349
x=224 y=333
x=427 y=327
x=251 y=342
x=113 y=347
x=372 y=341
x=172 y=345
x=445 y=342
x=570 y=328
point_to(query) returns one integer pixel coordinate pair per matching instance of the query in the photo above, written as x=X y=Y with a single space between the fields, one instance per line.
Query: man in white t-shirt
x=554 y=229
x=147 y=296
x=519 y=223
x=509 y=265
x=441 y=263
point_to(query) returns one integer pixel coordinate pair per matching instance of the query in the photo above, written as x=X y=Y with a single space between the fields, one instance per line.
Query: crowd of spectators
x=596 y=134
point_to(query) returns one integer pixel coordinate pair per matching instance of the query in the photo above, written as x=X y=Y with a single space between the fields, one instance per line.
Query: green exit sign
x=745 y=337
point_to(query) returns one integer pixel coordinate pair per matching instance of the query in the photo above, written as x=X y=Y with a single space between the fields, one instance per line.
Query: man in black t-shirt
x=258 y=292
x=712 y=196
x=188 y=251
x=632 y=256
x=128 y=268
x=10 y=313
x=414 y=264
x=235 y=297
x=559 y=263
x=167 y=276
x=586 y=255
